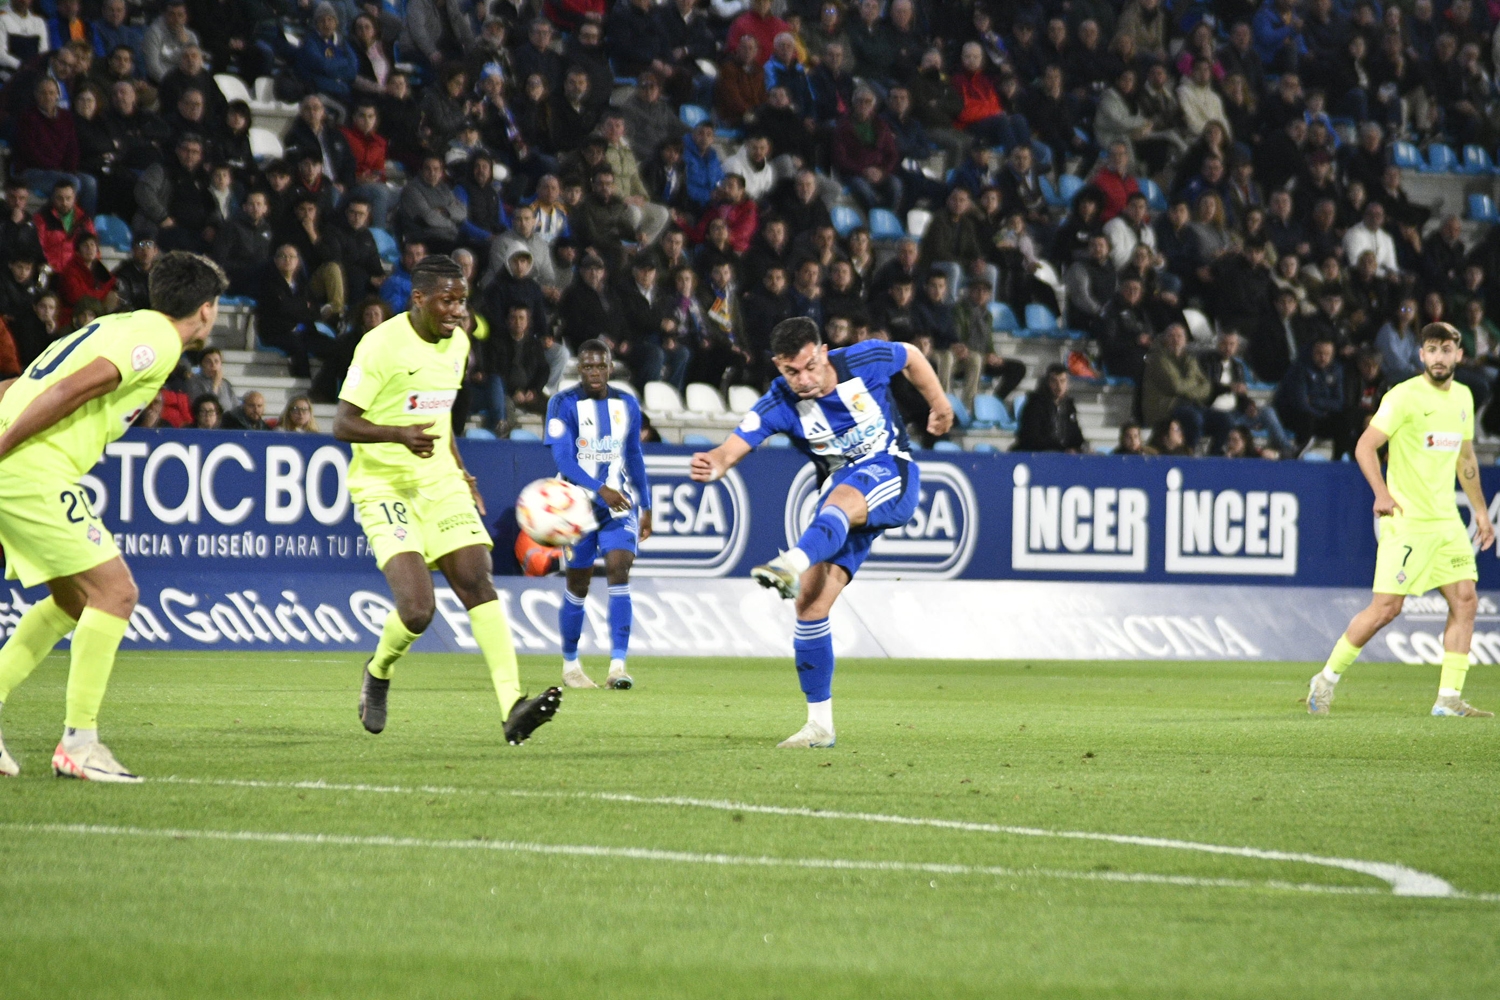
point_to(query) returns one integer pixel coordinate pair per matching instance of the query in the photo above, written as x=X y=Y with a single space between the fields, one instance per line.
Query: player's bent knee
x=416 y=619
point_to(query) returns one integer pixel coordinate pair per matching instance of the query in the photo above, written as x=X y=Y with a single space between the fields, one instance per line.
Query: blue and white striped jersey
x=854 y=423
x=597 y=442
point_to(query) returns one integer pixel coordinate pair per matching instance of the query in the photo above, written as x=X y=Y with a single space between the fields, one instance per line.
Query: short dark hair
x=594 y=347
x=1441 y=331
x=208 y=351
x=65 y=182
x=432 y=270
x=790 y=336
x=205 y=398
x=1056 y=368
x=182 y=282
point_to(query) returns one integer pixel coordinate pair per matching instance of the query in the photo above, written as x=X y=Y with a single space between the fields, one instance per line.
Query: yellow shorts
x=1413 y=558
x=431 y=520
x=48 y=529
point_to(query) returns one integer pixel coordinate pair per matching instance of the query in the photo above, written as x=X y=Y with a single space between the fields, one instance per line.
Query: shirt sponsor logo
x=697 y=529
x=1099 y=529
x=430 y=402
x=141 y=358
x=1230 y=532
x=937 y=543
x=1442 y=441
x=601 y=449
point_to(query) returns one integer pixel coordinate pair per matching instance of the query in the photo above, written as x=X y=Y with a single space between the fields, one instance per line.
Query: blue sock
x=620 y=614
x=812 y=644
x=825 y=536
x=570 y=624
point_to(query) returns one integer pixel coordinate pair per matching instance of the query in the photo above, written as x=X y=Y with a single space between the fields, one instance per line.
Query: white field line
x=677 y=857
x=1404 y=881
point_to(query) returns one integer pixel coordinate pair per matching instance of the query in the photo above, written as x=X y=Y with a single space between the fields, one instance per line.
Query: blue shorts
x=891 y=486
x=614 y=533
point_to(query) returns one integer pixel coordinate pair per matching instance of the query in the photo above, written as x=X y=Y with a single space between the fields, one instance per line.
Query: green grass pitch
x=466 y=895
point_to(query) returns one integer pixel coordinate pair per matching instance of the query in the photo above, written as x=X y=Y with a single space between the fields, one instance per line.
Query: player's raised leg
x=411 y=585
x=102 y=599
x=468 y=573
x=1381 y=611
x=1458 y=633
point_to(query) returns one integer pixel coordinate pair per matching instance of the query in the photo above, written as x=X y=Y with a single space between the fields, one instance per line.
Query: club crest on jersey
x=141 y=358
x=95 y=535
x=400 y=534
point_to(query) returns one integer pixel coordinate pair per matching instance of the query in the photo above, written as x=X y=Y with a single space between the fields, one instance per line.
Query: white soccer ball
x=555 y=512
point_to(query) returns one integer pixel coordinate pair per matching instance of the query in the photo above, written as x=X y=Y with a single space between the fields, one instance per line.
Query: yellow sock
x=492 y=632
x=95 y=642
x=1344 y=653
x=43 y=624
x=395 y=640
x=1455 y=668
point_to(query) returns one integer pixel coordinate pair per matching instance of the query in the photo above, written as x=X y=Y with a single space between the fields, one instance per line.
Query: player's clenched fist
x=416 y=439
x=703 y=468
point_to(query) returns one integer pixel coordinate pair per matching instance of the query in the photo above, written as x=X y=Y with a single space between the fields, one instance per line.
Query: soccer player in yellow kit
x=1429 y=422
x=82 y=393
x=418 y=505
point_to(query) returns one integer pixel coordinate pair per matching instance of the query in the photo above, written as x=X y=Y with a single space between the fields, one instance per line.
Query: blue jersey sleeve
x=770 y=415
x=878 y=358
x=635 y=458
x=562 y=437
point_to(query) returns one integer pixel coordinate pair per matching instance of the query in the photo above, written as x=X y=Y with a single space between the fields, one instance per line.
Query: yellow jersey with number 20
x=399 y=379
x=143 y=345
x=1427 y=426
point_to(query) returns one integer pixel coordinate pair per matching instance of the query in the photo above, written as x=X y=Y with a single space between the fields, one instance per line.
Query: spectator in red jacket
x=983 y=116
x=866 y=155
x=59 y=223
x=759 y=22
x=369 y=149
x=46 y=146
x=738 y=212
x=1115 y=180
x=86 y=275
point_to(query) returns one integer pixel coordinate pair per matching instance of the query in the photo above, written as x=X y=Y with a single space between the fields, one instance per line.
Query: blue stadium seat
x=947 y=446
x=522 y=434
x=1154 y=197
x=984 y=448
x=1440 y=160
x=692 y=114
x=386 y=244
x=1068 y=185
x=961 y=417
x=884 y=225
x=1020 y=405
x=1482 y=208
x=1039 y=321
x=113 y=232
x=846 y=219
x=698 y=440
x=1405 y=156
x=989 y=411
x=1004 y=320
x=1041 y=156
x=479 y=434
x=1050 y=195
x=1477 y=160
x=1314 y=456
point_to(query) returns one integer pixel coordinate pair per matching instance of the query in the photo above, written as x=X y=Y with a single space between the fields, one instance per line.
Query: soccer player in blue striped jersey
x=836 y=406
x=595 y=434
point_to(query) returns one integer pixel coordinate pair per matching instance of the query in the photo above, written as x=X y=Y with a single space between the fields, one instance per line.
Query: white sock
x=1330 y=676
x=1449 y=692
x=572 y=664
x=616 y=666
x=76 y=739
x=797 y=560
x=821 y=712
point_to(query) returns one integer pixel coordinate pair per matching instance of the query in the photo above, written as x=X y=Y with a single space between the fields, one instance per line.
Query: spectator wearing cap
x=133 y=275
x=440 y=30
x=1049 y=421
x=165 y=39
x=324 y=61
x=428 y=210
x=740 y=87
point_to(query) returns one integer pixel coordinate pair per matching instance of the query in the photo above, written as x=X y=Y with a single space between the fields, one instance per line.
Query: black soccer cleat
x=527 y=714
x=372 y=694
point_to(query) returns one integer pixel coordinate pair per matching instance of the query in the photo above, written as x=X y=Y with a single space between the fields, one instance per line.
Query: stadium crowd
x=678 y=178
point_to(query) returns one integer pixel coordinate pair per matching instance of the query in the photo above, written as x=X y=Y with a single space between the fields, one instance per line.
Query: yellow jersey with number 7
x=143 y=346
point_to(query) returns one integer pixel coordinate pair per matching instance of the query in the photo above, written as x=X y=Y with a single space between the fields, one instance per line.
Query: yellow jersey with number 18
x=1427 y=426
x=398 y=379
x=143 y=345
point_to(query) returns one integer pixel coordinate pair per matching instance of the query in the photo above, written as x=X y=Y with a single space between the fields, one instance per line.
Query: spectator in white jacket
x=753 y=162
x=1130 y=227
x=1199 y=101
x=1370 y=235
x=22 y=35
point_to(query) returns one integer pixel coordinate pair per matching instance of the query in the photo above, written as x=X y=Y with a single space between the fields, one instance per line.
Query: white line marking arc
x=1403 y=880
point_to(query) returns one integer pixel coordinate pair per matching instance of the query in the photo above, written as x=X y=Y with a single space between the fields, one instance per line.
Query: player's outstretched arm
x=707 y=466
x=1468 y=478
x=97 y=378
x=349 y=424
x=1366 y=453
x=918 y=372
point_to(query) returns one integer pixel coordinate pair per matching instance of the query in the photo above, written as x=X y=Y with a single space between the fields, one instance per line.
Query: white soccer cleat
x=809 y=737
x=619 y=680
x=1319 y=695
x=574 y=677
x=92 y=762
x=8 y=766
x=779 y=575
x=1455 y=707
